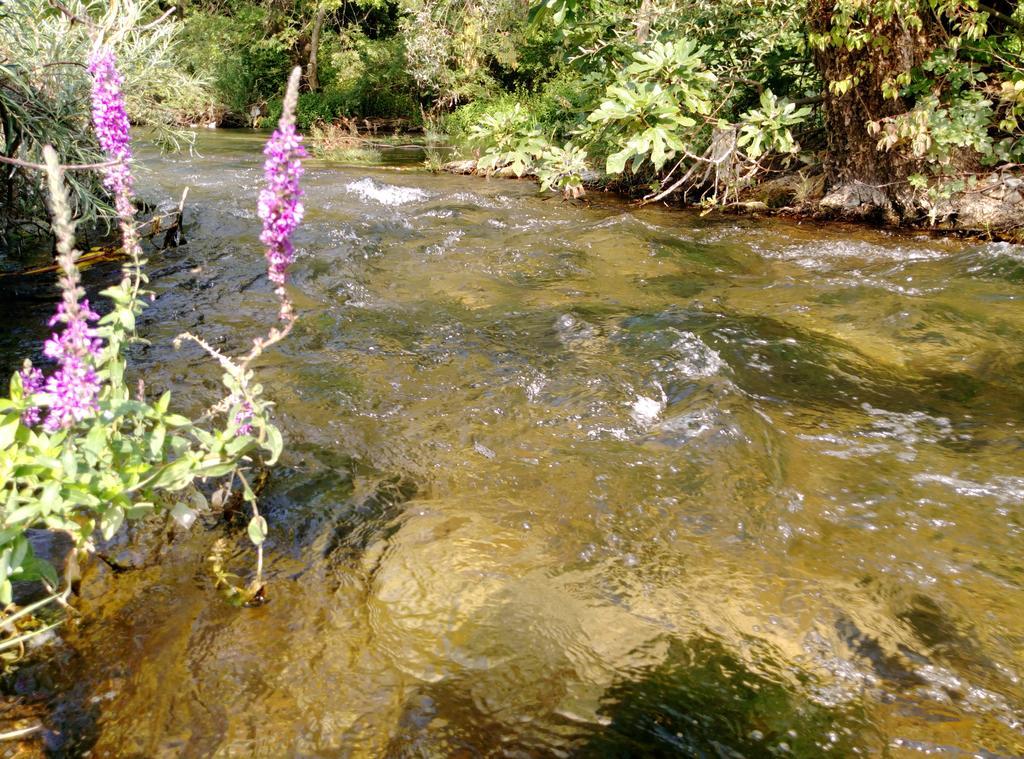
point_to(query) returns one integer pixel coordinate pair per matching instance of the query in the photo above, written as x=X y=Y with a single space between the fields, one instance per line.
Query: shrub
x=44 y=96
x=245 y=64
x=336 y=143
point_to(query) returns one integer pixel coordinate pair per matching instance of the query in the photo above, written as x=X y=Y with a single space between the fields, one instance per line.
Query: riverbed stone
x=997 y=204
x=467 y=166
x=856 y=200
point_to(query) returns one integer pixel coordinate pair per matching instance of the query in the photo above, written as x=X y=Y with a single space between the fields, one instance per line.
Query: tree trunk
x=312 y=71
x=852 y=157
x=644 y=17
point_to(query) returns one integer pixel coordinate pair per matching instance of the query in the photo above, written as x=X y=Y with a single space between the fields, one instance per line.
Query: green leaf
x=156 y=440
x=139 y=510
x=111 y=521
x=183 y=515
x=34 y=568
x=274 y=444
x=26 y=514
x=174 y=476
x=70 y=464
x=257 y=530
x=658 y=153
x=95 y=442
x=8 y=429
x=17 y=390
x=617 y=161
x=216 y=469
x=19 y=552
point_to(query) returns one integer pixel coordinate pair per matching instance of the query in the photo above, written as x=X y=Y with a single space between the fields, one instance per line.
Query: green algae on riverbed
x=570 y=480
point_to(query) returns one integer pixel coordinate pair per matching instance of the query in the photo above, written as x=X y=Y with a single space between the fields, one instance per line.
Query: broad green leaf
x=658 y=152
x=8 y=430
x=16 y=387
x=34 y=568
x=156 y=440
x=174 y=476
x=617 y=162
x=111 y=521
x=183 y=515
x=70 y=464
x=274 y=444
x=19 y=551
x=139 y=510
x=257 y=530
x=26 y=514
x=215 y=468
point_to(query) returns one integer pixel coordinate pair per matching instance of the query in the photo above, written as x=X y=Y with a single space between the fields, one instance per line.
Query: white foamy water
x=821 y=255
x=386 y=194
x=698 y=359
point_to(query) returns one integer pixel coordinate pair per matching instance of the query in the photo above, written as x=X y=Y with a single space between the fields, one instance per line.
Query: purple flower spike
x=31 y=383
x=244 y=419
x=110 y=122
x=74 y=386
x=280 y=204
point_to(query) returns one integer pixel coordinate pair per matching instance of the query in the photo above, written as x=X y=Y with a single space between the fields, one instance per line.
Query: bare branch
x=158 y=21
x=64 y=167
x=57 y=5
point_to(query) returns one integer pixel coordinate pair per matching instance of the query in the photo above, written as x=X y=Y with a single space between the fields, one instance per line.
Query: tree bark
x=312 y=69
x=852 y=155
x=643 y=20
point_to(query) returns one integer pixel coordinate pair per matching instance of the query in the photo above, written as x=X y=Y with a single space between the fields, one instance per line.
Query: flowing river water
x=578 y=480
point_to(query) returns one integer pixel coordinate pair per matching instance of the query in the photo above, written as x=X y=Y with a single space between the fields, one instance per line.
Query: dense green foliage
x=245 y=49
x=935 y=84
x=661 y=96
x=705 y=97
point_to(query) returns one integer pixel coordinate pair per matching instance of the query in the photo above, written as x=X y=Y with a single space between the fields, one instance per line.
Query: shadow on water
x=703 y=702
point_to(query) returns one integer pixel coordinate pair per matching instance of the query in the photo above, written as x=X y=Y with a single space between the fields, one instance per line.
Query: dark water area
x=576 y=480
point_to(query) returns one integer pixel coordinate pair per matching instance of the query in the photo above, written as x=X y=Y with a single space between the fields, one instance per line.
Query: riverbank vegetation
x=899 y=111
x=895 y=110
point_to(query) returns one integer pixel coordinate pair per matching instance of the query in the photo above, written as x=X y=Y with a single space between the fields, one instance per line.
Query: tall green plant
x=81 y=451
